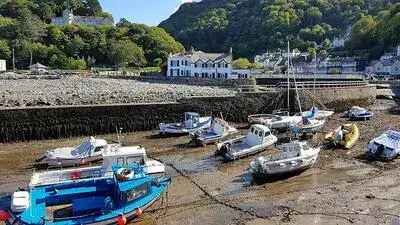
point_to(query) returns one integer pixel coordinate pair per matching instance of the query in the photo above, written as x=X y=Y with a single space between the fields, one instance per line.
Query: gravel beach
x=87 y=91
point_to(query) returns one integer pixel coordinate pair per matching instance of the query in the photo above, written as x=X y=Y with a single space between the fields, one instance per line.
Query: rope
x=207 y=194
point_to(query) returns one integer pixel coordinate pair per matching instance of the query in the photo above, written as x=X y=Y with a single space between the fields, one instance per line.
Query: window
x=177 y=62
x=213 y=65
x=226 y=65
x=98 y=149
x=187 y=73
x=186 y=62
x=120 y=161
x=181 y=72
x=219 y=65
x=135 y=160
x=256 y=133
x=202 y=65
x=226 y=76
x=195 y=65
x=260 y=134
x=267 y=133
x=137 y=192
x=252 y=130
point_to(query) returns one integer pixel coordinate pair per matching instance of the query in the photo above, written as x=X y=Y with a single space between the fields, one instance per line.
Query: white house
x=69 y=18
x=3 y=65
x=200 y=64
x=338 y=42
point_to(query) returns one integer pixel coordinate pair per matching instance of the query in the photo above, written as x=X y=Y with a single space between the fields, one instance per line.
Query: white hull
x=282 y=123
x=293 y=158
x=238 y=148
x=57 y=162
x=179 y=128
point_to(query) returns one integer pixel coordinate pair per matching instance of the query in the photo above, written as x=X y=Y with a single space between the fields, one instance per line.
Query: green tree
x=241 y=63
x=5 y=51
x=126 y=53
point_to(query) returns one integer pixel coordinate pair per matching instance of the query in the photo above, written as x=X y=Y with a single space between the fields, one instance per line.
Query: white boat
x=258 y=138
x=385 y=147
x=282 y=123
x=193 y=122
x=89 y=151
x=307 y=126
x=360 y=113
x=294 y=156
x=219 y=130
x=117 y=156
x=315 y=113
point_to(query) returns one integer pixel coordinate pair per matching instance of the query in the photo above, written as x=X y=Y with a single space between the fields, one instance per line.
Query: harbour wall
x=37 y=123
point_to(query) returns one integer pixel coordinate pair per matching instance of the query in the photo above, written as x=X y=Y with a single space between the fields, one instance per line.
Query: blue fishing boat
x=107 y=200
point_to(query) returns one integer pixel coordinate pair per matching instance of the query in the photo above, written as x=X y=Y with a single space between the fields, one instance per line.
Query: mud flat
x=342 y=187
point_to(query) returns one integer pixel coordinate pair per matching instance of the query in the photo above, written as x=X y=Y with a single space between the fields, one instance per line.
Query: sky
x=149 y=12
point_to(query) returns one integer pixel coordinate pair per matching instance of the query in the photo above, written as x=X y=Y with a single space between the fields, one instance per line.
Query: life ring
x=76 y=174
x=124 y=173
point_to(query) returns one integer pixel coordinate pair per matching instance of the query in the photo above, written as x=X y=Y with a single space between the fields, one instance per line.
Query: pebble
x=80 y=91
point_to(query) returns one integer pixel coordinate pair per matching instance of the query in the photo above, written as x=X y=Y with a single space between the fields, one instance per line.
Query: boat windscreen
x=83 y=148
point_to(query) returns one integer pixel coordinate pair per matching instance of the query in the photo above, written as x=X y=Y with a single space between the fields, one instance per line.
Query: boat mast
x=315 y=75
x=288 y=79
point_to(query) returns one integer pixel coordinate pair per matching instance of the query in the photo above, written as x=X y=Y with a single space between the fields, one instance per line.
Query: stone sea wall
x=36 y=123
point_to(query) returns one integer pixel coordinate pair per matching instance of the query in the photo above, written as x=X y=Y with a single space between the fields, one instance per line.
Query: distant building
x=37 y=68
x=341 y=65
x=3 y=65
x=200 y=64
x=69 y=18
x=338 y=42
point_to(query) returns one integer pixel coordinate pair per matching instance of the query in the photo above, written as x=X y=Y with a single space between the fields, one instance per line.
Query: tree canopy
x=254 y=26
x=24 y=26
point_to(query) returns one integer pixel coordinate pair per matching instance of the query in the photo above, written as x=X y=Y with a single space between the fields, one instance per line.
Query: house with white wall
x=200 y=64
x=3 y=65
x=69 y=18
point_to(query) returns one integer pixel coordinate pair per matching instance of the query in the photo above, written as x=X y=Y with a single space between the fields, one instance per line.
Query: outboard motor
x=224 y=149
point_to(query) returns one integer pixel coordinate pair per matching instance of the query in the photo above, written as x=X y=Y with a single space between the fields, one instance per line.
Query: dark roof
x=204 y=57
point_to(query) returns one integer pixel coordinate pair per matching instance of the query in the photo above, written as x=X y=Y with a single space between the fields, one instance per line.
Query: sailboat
x=308 y=123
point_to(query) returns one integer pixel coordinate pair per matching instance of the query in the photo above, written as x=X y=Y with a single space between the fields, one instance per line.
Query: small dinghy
x=315 y=113
x=385 y=147
x=89 y=151
x=294 y=156
x=258 y=138
x=346 y=136
x=193 y=122
x=121 y=155
x=307 y=126
x=358 y=113
x=107 y=200
x=220 y=130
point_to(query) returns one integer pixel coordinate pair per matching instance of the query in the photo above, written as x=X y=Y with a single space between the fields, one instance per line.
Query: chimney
x=191 y=50
x=230 y=51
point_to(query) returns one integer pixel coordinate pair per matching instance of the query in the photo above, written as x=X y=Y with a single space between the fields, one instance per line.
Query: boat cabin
x=257 y=135
x=191 y=119
x=292 y=149
x=219 y=126
x=92 y=146
x=124 y=156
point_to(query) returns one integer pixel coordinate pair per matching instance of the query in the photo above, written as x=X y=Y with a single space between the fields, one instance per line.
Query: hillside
x=24 y=25
x=254 y=26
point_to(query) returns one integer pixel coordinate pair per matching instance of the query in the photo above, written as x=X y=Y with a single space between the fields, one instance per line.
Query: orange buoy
x=4 y=215
x=121 y=220
x=138 y=212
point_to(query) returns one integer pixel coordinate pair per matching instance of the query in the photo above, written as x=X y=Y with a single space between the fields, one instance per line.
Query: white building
x=199 y=64
x=69 y=18
x=3 y=65
x=338 y=42
x=384 y=67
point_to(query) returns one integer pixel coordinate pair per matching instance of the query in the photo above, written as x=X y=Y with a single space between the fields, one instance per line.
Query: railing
x=300 y=85
x=312 y=76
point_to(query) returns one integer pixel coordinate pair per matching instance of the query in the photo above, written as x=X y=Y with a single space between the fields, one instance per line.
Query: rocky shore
x=84 y=91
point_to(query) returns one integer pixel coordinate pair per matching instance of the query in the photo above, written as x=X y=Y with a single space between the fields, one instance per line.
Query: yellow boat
x=346 y=135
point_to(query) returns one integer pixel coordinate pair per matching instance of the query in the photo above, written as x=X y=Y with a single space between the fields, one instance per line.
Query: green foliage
x=25 y=26
x=126 y=53
x=254 y=26
x=377 y=34
x=241 y=63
